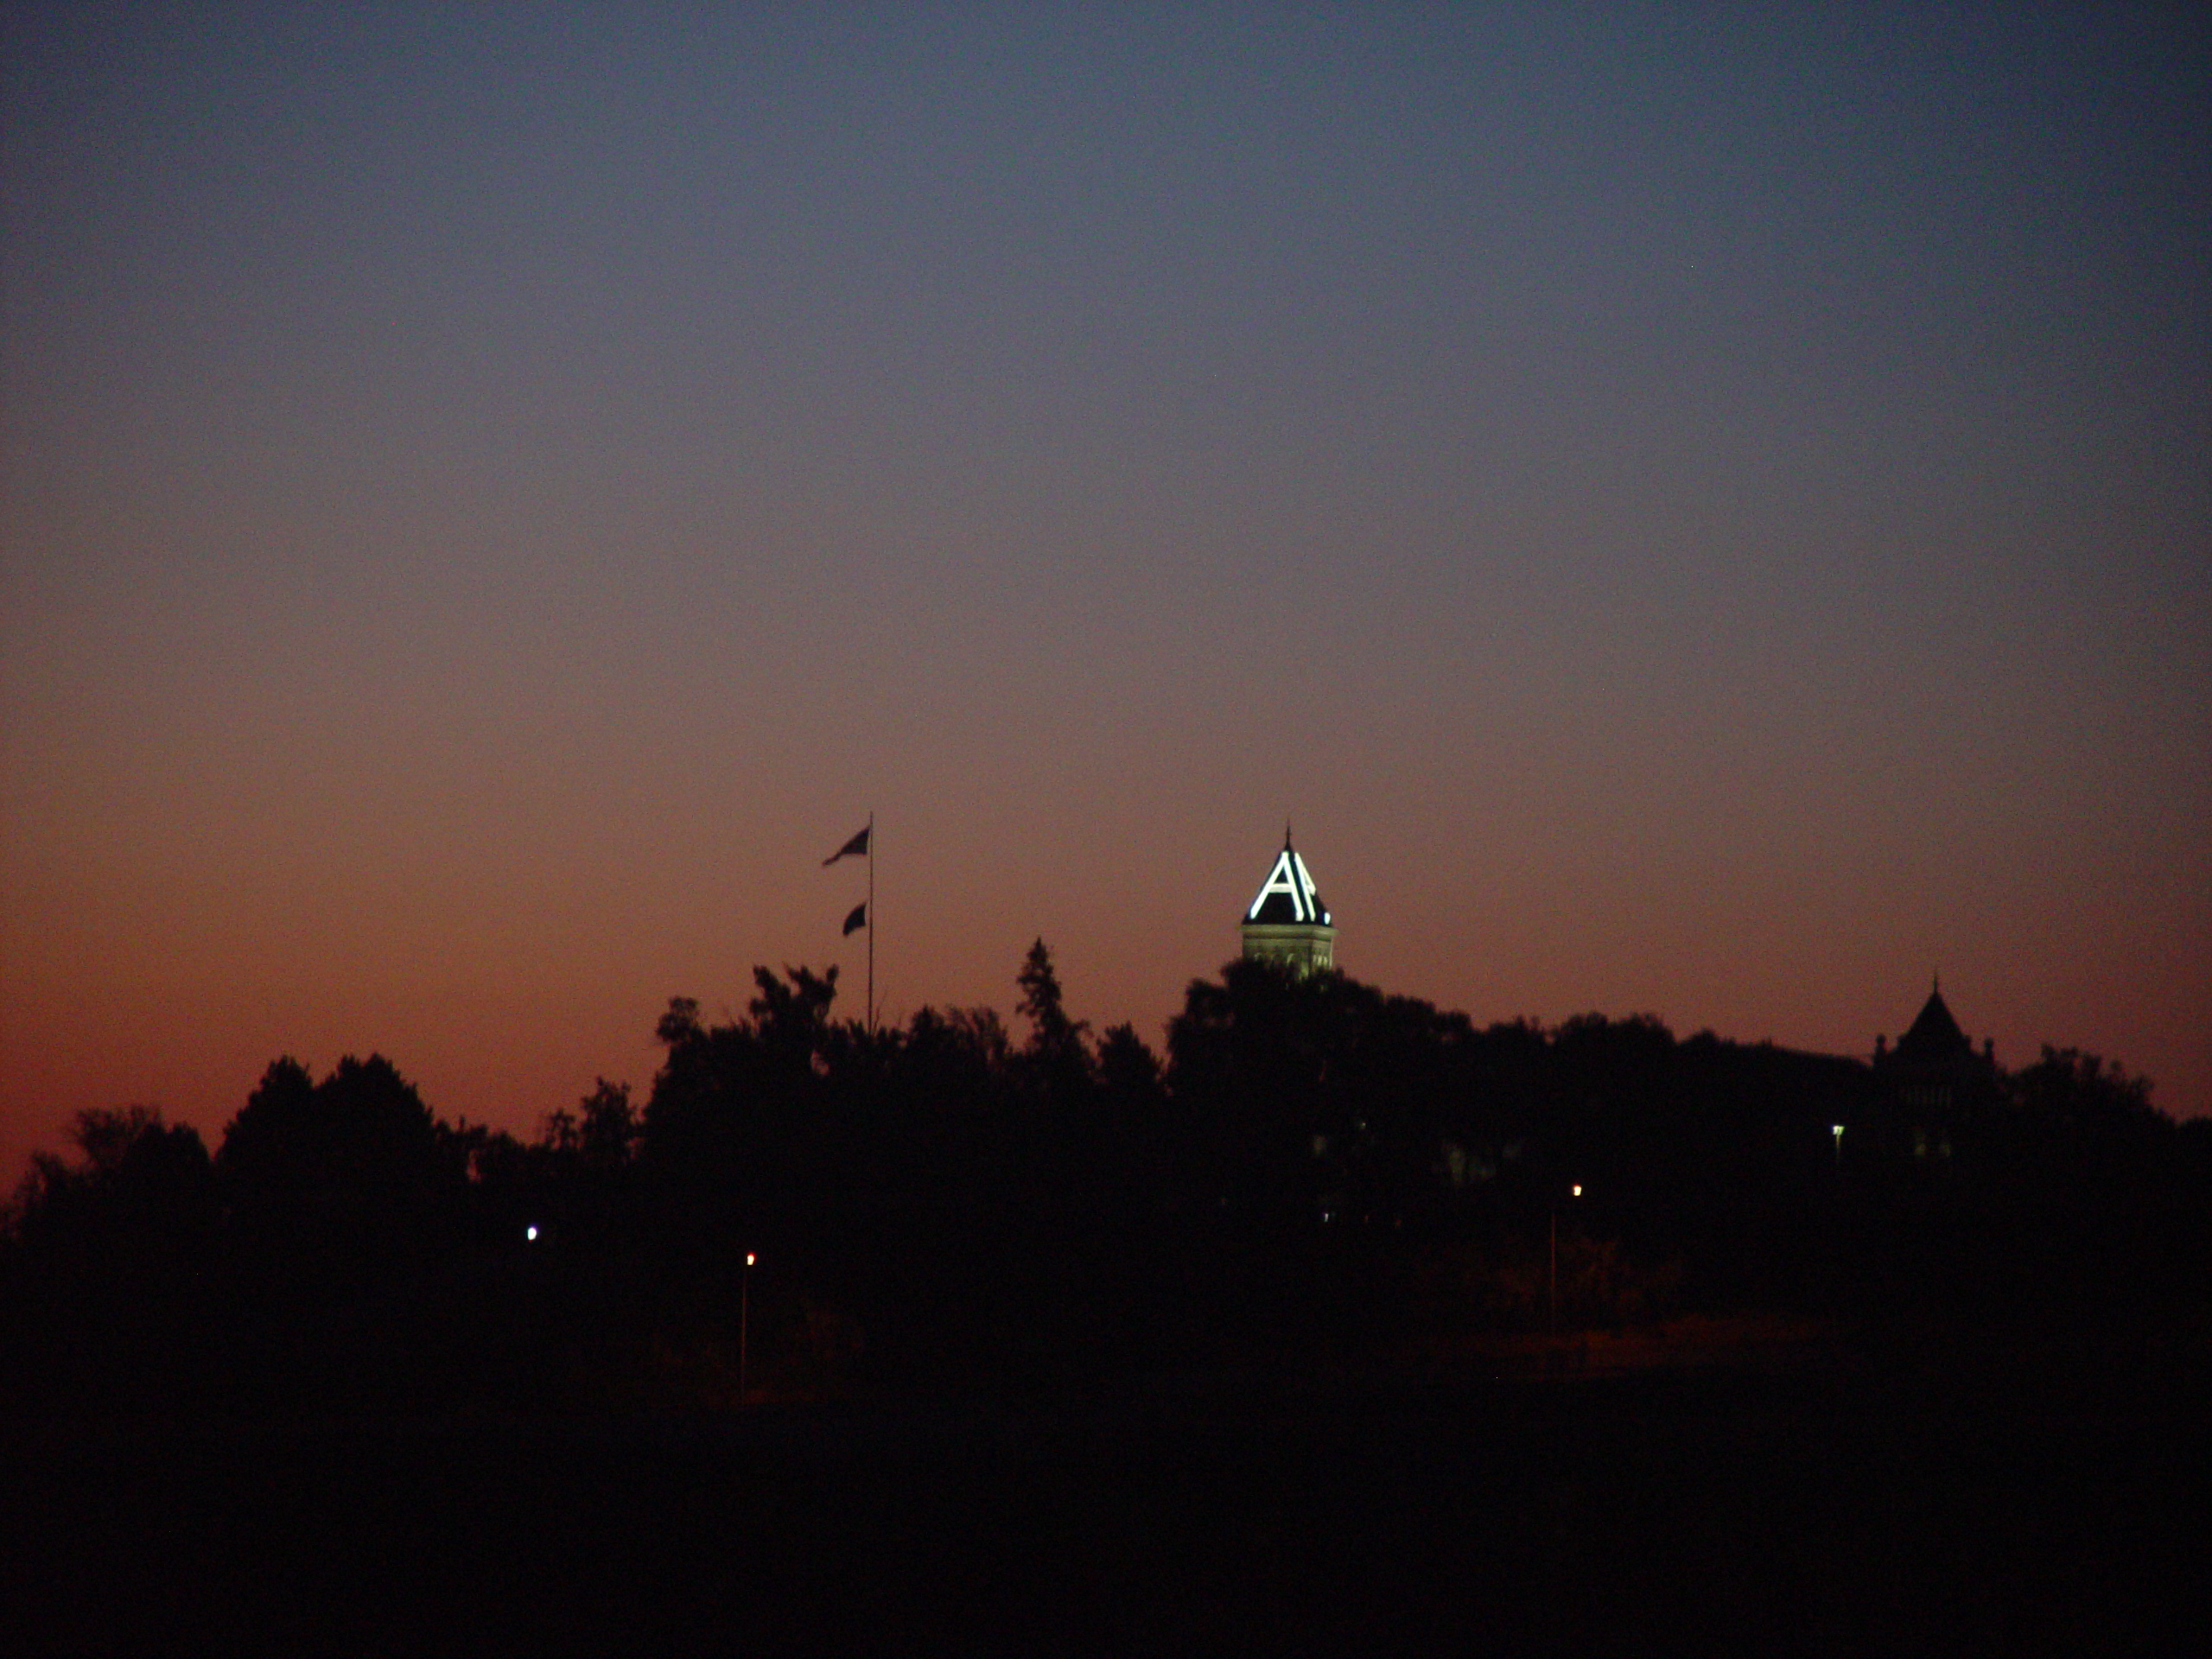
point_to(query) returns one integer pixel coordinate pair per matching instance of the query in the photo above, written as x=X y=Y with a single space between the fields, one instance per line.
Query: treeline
x=1315 y=1173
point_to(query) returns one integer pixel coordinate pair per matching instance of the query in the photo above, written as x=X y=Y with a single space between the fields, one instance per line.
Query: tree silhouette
x=1057 y=1053
x=2066 y=1086
x=363 y=1133
x=600 y=1135
x=1317 y=1162
x=1129 y=1073
x=104 y=1260
x=136 y=1184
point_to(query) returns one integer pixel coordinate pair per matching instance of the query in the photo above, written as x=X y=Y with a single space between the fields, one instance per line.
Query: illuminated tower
x=1287 y=922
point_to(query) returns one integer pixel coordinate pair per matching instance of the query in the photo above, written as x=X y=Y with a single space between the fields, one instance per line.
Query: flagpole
x=871 y=922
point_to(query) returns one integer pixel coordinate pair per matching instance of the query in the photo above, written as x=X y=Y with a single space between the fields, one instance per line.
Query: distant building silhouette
x=1287 y=922
x=1933 y=1082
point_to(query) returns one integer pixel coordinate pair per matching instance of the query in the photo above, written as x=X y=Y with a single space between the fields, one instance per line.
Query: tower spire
x=1287 y=921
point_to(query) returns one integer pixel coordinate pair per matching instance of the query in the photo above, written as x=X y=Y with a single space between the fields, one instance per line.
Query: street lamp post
x=1836 y=1129
x=1552 y=1295
x=744 y=1318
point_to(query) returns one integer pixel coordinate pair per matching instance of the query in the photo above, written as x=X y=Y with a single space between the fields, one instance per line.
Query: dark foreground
x=1839 y=1507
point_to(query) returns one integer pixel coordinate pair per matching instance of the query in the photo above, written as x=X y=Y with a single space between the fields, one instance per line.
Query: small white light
x=1578 y=1189
x=531 y=1233
x=749 y=1258
x=1838 y=1129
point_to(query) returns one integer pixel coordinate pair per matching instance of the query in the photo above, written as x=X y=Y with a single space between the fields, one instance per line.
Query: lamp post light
x=1836 y=1129
x=744 y=1320
x=1552 y=1294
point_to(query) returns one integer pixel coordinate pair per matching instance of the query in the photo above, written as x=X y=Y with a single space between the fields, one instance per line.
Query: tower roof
x=1288 y=894
x=1934 y=1034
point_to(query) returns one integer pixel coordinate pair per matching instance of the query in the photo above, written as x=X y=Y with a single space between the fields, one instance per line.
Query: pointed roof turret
x=1288 y=894
x=1935 y=1033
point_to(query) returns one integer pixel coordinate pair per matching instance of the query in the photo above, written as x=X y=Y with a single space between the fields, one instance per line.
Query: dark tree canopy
x=133 y=1176
x=1058 y=1050
x=1313 y=1161
x=362 y=1129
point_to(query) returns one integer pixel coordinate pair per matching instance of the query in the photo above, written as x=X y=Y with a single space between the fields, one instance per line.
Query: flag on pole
x=862 y=915
x=856 y=848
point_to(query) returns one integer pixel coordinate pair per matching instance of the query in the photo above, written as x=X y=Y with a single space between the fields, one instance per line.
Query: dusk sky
x=1688 y=512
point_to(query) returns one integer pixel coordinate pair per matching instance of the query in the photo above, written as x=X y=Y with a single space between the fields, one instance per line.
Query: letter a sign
x=1290 y=879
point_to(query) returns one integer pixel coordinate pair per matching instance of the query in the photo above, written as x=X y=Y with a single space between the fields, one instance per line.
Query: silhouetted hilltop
x=1316 y=1173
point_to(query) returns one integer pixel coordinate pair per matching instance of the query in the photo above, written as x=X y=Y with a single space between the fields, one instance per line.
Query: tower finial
x=1286 y=831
